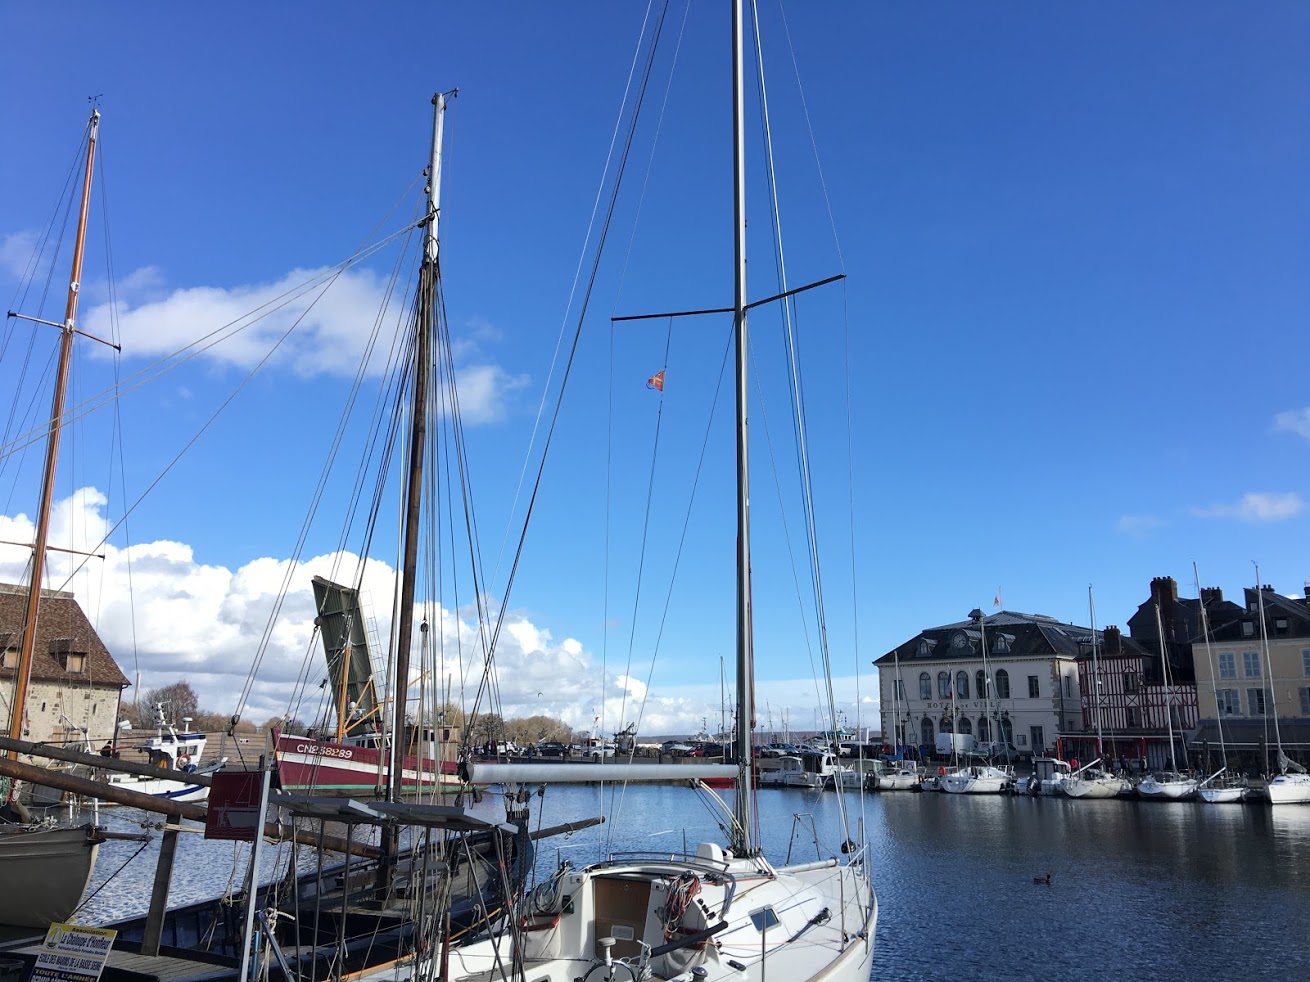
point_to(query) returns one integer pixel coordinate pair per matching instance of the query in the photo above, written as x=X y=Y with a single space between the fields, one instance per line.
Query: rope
x=92 y=895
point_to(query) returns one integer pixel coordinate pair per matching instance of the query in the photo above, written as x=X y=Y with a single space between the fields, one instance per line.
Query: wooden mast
x=28 y=650
x=424 y=313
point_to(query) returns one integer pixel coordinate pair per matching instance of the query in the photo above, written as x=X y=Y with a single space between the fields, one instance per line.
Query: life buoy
x=183 y=761
x=941 y=772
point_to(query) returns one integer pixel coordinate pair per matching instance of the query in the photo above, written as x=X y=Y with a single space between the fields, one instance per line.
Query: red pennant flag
x=656 y=381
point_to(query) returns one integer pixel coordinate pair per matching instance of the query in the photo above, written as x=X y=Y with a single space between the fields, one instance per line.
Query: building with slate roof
x=76 y=686
x=1025 y=691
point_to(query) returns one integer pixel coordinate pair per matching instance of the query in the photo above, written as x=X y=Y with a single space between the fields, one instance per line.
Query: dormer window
x=1248 y=629
x=9 y=658
x=74 y=662
x=925 y=647
x=1001 y=644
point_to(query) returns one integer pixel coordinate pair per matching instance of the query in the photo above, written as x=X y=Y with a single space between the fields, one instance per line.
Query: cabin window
x=1229 y=703
x=966 y=727
x=1255 y=702
x=944 y=685
x=925 y=685
x=1227 y=665
x=984 y=729
x=1034 y=689
x=1251 y=664
x=1002 y=684
x=1248 y=629
x=925 y=732
x=962 y=685
x=980 y=683
x=9 y=658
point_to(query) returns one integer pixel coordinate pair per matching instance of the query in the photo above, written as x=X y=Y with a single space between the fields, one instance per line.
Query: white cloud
x=1138 y=526
x=185 y=620
x=329 y=329
x=1294 y=421
x=16 y=252
x=1258 y=506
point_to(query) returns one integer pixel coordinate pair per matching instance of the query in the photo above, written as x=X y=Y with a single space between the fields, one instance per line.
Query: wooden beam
x=101 y=762
x=164 y=806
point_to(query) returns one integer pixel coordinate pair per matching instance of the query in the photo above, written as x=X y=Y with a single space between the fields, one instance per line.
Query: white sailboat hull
x=1222 y=796
x=626 y=900
x=1289 y=789
x=977 y=780
x=1078 y=787
x=1167 y=790
x=898 y=781
x=45 y=873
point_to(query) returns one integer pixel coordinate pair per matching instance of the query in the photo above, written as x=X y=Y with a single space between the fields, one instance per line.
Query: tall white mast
x=1168 y=700
x=1096 y=672
x=743 y=807
x=1269 y=668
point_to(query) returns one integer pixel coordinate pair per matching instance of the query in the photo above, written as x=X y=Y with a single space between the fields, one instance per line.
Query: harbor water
x=1138 y=889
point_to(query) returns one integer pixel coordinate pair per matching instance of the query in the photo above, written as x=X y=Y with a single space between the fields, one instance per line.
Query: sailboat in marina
x=1167 y=785
x=976 y=777
x=1291 y=785
x=1218 y=788
x=53 y=864
x=1091 y=780
x=722 y=911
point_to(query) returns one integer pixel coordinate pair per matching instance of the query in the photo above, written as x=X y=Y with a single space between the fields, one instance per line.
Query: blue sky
x=1075 y=240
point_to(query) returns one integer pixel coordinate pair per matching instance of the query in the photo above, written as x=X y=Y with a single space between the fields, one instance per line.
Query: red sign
x=234 y=805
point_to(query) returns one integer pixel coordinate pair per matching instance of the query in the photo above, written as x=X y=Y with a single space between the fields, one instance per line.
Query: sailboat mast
x=1168 y=701
x=28 y=650
x=424 y=313
x=1096 y=672
x=1269 y=667
x=743 y=807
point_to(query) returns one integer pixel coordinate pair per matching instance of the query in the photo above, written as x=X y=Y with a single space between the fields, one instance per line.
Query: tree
x=179 y=701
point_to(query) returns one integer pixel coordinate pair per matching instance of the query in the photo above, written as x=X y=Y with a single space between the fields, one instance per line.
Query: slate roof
x=62 y=627
x=1029 y=635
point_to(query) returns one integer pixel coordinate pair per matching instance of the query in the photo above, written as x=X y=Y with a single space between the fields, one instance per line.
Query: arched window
x=1007 y=730
x=980 y=684
x=925 y=685
x=946 y=726
x=962 y=685
x=965 y=726
x=1002 y=684
x=944 y=685
x=925 y=732
x=984 y=730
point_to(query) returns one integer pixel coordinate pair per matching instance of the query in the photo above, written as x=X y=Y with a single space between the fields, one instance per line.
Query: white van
x=949 y=744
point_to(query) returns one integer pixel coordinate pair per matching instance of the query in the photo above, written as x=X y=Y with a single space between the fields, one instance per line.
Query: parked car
x=553 y=748
x=598 y=750
x=675 y=748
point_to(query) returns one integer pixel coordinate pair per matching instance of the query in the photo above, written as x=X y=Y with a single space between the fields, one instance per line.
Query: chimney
x=1164 y=591
x=1211 y=595
x=1113 y=641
